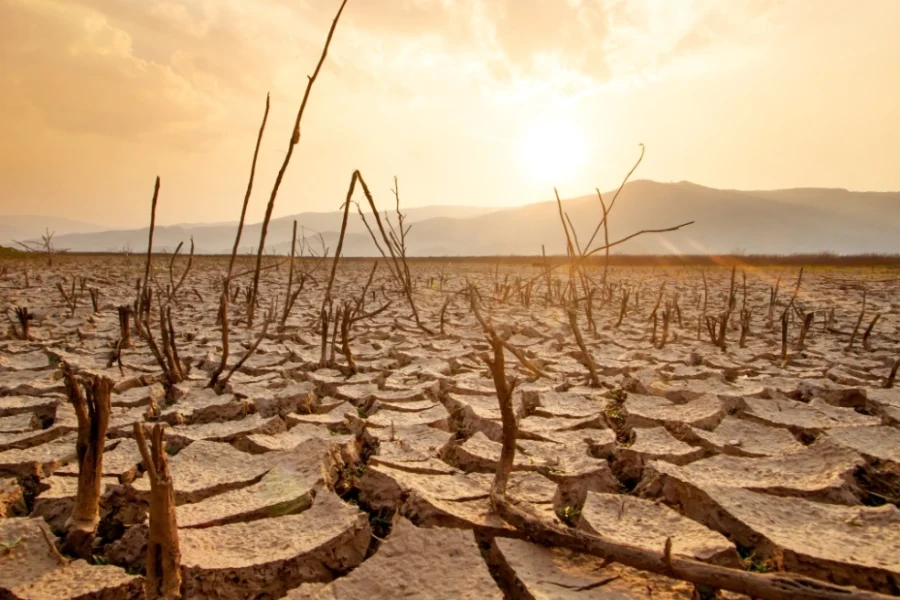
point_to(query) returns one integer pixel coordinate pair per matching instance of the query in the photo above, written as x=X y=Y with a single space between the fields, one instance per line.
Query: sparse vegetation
x=384 y=391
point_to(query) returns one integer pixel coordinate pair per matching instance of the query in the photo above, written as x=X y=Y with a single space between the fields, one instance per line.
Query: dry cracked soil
x=302 y=479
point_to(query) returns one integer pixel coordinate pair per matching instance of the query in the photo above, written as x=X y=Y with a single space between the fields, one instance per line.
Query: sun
x=553 y=150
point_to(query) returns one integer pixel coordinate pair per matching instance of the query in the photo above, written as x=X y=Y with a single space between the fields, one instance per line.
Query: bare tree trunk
x=25 y=318
x=125 y=313
x=90 y=398
x=163 y=553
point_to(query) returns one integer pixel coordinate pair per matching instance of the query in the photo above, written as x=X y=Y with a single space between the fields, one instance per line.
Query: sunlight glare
x=553 y=150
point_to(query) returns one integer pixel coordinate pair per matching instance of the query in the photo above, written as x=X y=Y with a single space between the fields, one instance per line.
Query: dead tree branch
x=489 y=330
x=294 y=140
x=219 y=386
x=397 y=262
x=240 y=229
x=862 y=315
x=173 y=285
x=587 y=358
x=141 y=291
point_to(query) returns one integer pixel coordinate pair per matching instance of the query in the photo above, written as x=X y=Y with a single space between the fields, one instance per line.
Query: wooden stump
x=90 y=397
x=163 y=554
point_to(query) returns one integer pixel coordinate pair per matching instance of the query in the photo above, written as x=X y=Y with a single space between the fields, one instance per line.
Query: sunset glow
x=553 y=151
x=520 y=95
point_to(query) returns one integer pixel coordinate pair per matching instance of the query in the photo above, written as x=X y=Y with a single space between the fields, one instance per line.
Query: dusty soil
x=304 y=479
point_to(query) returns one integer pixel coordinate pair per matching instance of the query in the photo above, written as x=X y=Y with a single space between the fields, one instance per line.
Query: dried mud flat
x=304 y=480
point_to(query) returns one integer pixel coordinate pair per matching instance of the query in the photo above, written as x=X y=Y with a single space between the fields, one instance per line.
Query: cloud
x=560 y=50
x=173 y=71
x=654 y=37
x=184 y=70
x=79 y=72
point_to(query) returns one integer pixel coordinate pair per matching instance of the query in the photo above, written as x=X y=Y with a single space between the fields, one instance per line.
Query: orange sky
x=468 y=101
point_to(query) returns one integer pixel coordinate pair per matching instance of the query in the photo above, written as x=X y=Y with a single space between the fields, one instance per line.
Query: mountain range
x=798 y=220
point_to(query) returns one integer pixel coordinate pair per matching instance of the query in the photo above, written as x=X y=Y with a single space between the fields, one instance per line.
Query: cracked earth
x=307 y=480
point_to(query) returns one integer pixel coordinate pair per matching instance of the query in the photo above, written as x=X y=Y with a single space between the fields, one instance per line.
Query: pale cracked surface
x=823 y=471
x=849 y=545
x=279 y=492
x=428 y=564
x=289 y=479
x=273 y=555
x=647 y=525
x=207 y=468
x=535 y=572
x=31 y=571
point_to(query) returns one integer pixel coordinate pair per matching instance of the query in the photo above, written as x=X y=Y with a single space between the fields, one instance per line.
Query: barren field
x=718 y=418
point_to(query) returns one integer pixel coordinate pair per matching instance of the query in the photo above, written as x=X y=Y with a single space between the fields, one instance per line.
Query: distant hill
x=802 y=220
x=30 y=227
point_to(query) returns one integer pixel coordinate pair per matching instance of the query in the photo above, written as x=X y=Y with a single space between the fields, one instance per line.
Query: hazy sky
x=467 y=101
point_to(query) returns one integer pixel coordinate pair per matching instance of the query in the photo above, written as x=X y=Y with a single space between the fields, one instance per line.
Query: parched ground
x=305 y=479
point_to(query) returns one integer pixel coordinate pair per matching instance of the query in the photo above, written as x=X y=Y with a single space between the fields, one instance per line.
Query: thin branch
x=295 y=139
x=237 y=237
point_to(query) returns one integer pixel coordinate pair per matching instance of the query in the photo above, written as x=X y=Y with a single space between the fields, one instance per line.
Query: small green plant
x=351 y=474
x=99 y=559
x=569 y=515
x=617 y=417
x=752 y=563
